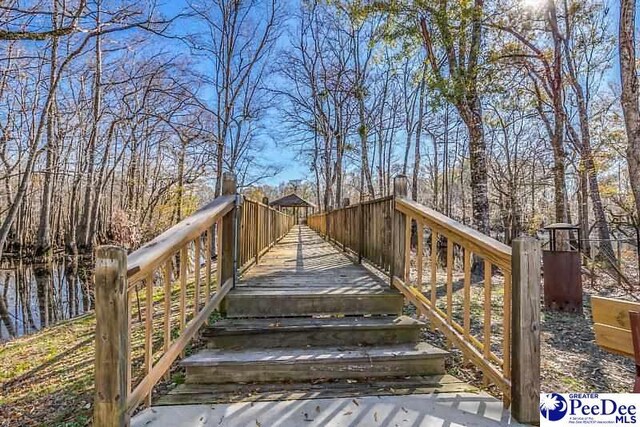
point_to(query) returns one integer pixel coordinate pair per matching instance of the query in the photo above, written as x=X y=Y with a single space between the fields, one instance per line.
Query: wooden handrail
x=154 y=253
x=239 y=229
x=497 y=252
x=385 y=241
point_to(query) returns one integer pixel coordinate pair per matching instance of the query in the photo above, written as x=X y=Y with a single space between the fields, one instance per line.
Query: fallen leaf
x=348 y=413
x=356 y=402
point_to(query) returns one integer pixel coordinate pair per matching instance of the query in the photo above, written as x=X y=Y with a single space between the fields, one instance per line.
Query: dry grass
x=571 y=361
x=47 y=378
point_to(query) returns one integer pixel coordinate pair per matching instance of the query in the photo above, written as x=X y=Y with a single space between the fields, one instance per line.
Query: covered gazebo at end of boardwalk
x=294 y=204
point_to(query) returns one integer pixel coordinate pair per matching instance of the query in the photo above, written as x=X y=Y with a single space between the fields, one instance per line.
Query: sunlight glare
x=533 y=4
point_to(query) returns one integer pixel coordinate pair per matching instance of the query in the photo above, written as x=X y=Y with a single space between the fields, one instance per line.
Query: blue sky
x=276 y=150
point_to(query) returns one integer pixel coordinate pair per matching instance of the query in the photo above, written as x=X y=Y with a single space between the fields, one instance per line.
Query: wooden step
x=320 y=300
x=209 y=394
x=227 y=366
x=312 y=332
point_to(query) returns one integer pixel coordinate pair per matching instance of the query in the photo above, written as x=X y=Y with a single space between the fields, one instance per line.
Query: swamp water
x=34 y=296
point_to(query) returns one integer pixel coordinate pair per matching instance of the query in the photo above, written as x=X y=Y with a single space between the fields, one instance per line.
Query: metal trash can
x=562 y=269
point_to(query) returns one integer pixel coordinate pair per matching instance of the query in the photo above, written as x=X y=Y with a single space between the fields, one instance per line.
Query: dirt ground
x=47 y=378
x=570 y=359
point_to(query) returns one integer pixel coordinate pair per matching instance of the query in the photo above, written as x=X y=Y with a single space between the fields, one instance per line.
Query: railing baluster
x=196 y=278
x=399 y=231
x=219 y=230
x=434 y=266
x=148 y=329
x=257 y=233
x=167 y=309
x=506 y=327
x=449 y=280
x=419 y=260
x=467 y=292
x=183 y=287
x=487 y=310
x=407 y=249
x=207 y=265
x=129 y=373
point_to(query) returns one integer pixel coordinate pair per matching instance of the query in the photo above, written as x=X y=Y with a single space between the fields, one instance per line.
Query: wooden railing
x=260 y=227
x=490 y=310
x=364 y=229
x=138 y=337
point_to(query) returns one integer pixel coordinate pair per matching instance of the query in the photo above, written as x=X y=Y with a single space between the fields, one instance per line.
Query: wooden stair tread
x=213 y=357
x=304 y=332
x=186 y=394
x=306 y=302
x=261 y=341
x=310 y=289
x=259 y=326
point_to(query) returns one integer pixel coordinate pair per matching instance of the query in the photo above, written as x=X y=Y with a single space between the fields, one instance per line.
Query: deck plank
x=302 y=262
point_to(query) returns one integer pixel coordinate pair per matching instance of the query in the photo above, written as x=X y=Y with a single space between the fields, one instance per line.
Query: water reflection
x=36 y=295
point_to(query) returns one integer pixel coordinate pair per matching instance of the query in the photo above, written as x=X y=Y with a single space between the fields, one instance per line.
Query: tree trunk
x=363 y=131
x=416 y=160
x=557 y=138
x=587 y=154
x=478 y=165
x=180 y=193
x=84 y=238
x=43 y=244
x=630 y=94
x=338 y=181
x=583 y=208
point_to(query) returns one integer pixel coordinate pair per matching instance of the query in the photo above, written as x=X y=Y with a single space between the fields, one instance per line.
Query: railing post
x=112 y=338
x=346 y=232
x=398 y=224
x=256 y=220
x=228 y=259
x=525 y=325
x=360 y=231
x=634 y=320
x=328 y=222
x=265 y=201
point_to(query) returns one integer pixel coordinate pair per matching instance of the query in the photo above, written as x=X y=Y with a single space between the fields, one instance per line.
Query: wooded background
x=117 y=118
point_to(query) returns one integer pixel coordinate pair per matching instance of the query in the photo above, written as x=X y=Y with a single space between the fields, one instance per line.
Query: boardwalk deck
x=305 y=314
x=291 y=277
x=303 y=262
x=308 y=327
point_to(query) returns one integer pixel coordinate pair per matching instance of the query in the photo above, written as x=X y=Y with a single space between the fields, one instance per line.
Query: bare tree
x=630 y=93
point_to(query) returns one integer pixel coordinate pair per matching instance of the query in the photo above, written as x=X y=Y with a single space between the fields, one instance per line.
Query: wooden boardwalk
x=302 y=267
x=303 y=262
x=306 y=327
x=287 y=345
x=303 y=315
x=307 y=314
